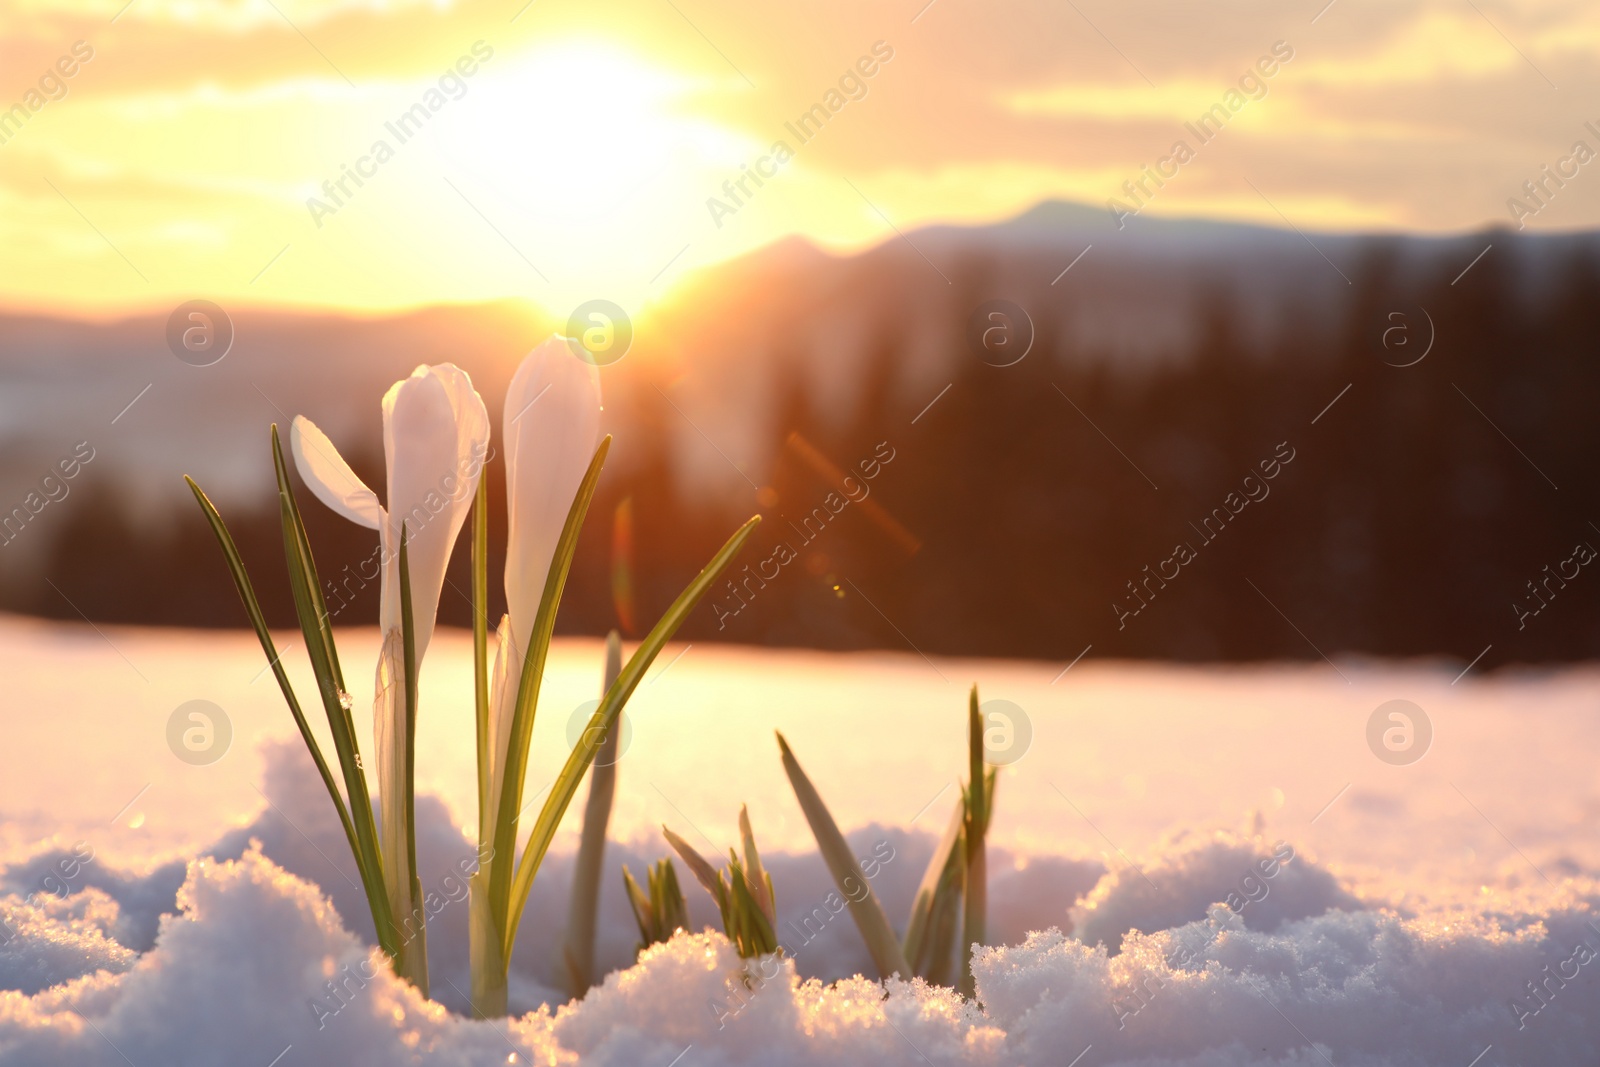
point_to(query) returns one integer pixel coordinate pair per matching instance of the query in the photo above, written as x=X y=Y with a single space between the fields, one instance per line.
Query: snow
x=1347 y=912
x=256 y=961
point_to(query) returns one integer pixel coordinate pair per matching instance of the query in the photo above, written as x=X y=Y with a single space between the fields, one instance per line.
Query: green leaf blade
x=252 y=607
x=865 y=910
x=509 y=812
x=318 y=635
x=578 y=761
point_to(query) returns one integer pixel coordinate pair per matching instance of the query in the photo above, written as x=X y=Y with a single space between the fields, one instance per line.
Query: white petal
x=472 y=417
x=431 y=482
x=330 y=477
x=552 y=426
x=389 y=735
x=502 y=706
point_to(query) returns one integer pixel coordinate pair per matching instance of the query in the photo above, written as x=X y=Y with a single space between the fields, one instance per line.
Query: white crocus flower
x=551 y=427
x=435 y=441
x=550 y=431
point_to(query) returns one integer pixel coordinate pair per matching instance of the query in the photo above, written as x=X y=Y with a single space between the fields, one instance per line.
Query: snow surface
x=1442 y=913
x=251 y=959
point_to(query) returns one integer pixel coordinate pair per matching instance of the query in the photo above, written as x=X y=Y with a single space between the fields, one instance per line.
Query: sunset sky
x=578 y=156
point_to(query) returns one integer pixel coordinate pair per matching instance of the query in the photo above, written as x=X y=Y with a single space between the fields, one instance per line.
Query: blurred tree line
x=1420 y=513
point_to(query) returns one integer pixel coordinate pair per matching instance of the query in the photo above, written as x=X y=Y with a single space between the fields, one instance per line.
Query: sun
x=589 y=160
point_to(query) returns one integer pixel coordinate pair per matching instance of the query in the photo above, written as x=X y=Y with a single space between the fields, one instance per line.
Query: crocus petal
x=330 y=477
x=484 y=931
x=502 y=706
x=552 y=426
x=389 y=726
x=472 y=418
x=431 y=485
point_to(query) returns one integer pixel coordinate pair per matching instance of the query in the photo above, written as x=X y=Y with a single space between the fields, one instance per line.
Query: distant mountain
x=1188 y=339
x=1133 y=298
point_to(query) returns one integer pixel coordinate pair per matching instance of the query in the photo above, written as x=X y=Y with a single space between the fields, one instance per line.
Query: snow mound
x=46 y=940
x=695 y=993
x=58 y=872
x=256 y=965
x=1218 y=948
x=1355 y=988
x=1267 y=885
x=298 y=831
x=236 y=977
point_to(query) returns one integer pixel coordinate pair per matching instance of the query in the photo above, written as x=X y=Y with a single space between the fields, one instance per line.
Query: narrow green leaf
x=510 y=812
x=946 y=854
x=750 y=929
x=314 y=628
x=566 y=783
x=303 y=546
x=760 y=884
x=672 y=911
x=864 y=907
x=252 y=607
x=663 y=911
x=643 y=909
x=318 y=635
x=703 y=872
x=977 y=814
x=946 y=916
x=975 y=898
x=416 y=961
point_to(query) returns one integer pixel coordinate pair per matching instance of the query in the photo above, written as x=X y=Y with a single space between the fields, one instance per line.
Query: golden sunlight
x=588 y=160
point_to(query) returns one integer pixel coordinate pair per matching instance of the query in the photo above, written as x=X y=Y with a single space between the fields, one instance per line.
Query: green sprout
x=662 y=911
x=742 y=890
x=887 y=954
x=977 y=801
x=954 y=887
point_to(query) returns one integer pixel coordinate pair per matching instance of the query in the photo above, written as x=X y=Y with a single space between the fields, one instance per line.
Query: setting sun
x=587 y=159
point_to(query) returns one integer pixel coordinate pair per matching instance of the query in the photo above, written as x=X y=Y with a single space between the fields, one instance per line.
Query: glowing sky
x=578 y=156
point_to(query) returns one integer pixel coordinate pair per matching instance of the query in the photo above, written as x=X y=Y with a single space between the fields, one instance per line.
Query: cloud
x=214 y=122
